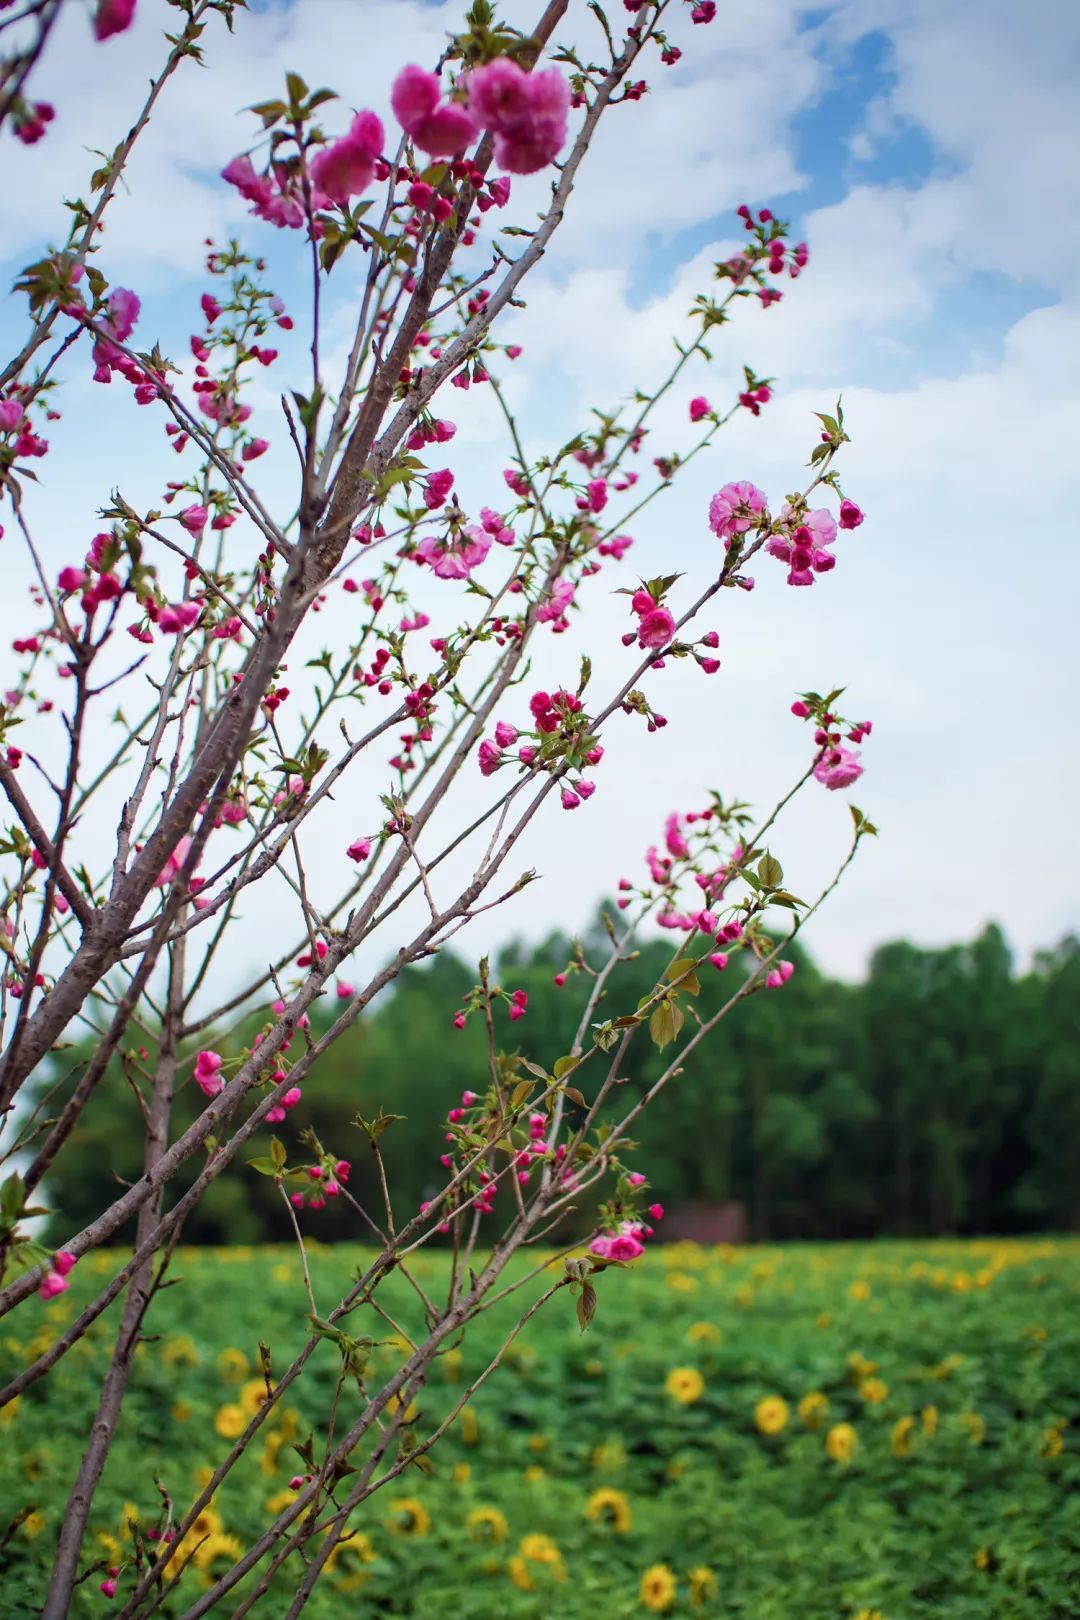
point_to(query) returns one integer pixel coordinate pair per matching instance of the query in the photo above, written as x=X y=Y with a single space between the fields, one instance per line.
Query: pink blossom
x=208 y=1073
x=850 y=515
x=113 y=17
x=656 y=628
x=347 y=166
x=441 y=130
x=194 y=519
x=359 y=850
x=170 y=871
x=674 y=841
x=699 y=408
x=636 y=1179
x=838 y=768
x=455 y=559
x=63 y=1262
x=11 y=414
x=736 y=508
x=505 y=735
x=526 y=112
x=489 y=757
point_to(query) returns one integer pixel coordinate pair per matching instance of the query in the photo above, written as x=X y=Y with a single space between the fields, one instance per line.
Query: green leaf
x=586 y=1305
x=666 y=1022
x=565 y=1065
x=770 y=872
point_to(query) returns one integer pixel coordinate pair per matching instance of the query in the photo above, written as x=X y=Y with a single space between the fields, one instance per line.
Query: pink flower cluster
x=656 y=623
x=456 y=556
x=526 y=113
x=736 y=508
x=346 y=167
x=442 y=128
x=55 y=1280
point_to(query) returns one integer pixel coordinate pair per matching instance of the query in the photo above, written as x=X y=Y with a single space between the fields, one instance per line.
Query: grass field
x=885 y=1430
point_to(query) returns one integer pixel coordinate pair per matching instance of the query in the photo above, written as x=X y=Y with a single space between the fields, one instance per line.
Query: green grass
x=960 y=1514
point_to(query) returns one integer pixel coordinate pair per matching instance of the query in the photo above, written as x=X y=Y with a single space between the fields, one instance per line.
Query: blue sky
x=928 y=155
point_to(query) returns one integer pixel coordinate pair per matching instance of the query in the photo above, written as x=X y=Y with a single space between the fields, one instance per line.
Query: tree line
x=940 y=1094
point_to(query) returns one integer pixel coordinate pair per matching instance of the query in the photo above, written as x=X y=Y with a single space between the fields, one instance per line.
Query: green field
x=867 y=1430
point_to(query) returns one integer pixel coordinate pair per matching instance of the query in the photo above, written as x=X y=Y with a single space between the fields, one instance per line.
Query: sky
x=928 y=155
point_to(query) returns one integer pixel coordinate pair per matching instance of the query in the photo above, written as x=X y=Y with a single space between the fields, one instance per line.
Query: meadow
x=881 y=1431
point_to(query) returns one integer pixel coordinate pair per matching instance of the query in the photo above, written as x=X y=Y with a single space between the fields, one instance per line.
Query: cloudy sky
x=928 y=154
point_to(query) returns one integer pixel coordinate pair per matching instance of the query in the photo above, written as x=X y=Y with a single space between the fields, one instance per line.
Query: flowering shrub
x=248 y=725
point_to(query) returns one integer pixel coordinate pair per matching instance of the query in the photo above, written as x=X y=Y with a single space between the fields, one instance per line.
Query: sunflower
x=658 y=1587
x=901 y=1436
x=486 y=1524
x=253 y=1395
x=7 y=1413
x=609 y=1506
x=410 y=1517
x=232 y=1364
x=841 y=1442
x=771 y=1414
x=929 y=1420
x=33 y=1525
x=702 y=1586
x=684 y=1384
x=217 y=1550
x=540 y=1549
x=703 y=1333
x=230 y=1421
x=860 y=1289
x=518 y=1571
x=873 y=1391
x=181 y=1351
x=813 y=1409
x=344 y=1567
x=976 y=1428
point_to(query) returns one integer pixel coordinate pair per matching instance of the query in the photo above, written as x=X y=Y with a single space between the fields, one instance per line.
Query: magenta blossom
x=838 y=768
x=736 y=508
x=442 y=129
x=656 y=628
x=113 y=17
x=526 y=112
x=455 y=559
x=347 y=166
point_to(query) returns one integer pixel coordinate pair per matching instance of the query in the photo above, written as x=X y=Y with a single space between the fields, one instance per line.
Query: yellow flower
x=230 y=1422
x=470 y=1428
x=253 y=1395
x=280 y=1501
x=220 y=1549
x=533 y=1473
x=824 y=1320
x=658 y=1587
x=702 y=1586
x=518 y=1571
x=771 y=1414
x=486 y=1524
x=961 y=1283
x=410 y=1517
x=1052 y=1442
x=813 y=1409
x=109 y=1545
x=460 y=1474
x=684 y=1384
x=929 y=1420
x=282 y=1273
x=981 y=1559
x=232 y=1364
x=540 y=1549
x=351 y=1553
x=901 y=1436
x=7 y=1413
x=181 y=1351
x=610 y=1506
x=841 y=1442
x=873 y=1391
x=207 y=1523
x=742 y=1295
x=859 y=1289
x=538 y=1442
x=975 y=1427
x=33 y=1525
x=703 y=1333
x=681 y=1283
x=860 y=1367
x=181 y=1412
x=869 y=1614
